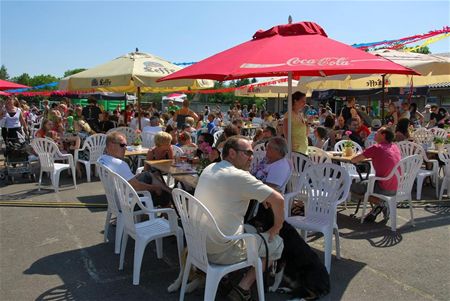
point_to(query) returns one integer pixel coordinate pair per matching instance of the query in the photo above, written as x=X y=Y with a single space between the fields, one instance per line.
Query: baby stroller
x=17 y=159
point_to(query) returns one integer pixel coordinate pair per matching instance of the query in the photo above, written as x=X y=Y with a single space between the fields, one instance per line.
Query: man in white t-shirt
x=226 y=189
x=154 y=126
x=116 y=145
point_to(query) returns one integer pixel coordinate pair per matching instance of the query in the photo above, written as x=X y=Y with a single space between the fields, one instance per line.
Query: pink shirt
x=384 y=158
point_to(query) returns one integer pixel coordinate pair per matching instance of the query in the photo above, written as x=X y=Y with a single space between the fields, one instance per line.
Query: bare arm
x=137 y=185
x=358 y=158
x=285 y=127
x=276 y=202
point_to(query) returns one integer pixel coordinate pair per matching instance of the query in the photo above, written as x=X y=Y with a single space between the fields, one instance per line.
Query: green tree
x=23 y=79
x=43 y=79
x=424 y=50
x=73 y=71
x=254 y=80
x=4 y=73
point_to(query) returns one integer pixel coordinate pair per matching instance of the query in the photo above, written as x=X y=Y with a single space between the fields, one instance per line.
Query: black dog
x=299 y=266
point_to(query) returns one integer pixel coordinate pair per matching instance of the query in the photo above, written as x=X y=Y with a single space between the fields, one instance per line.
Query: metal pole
x=139 y=107
x=382 y=98
x=289 y=137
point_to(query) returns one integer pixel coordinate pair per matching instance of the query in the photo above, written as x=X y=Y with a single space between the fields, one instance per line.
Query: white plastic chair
x=300 y=163
x=444 y=156
x=129 y=133
x=422 y=136
x=318 y=155
x=438 y=132
x=327 y=185
x=405 y=171
x=339 y=146
x=408 y=148
x=114 y=206
x=216 y=136
x=143 y=232
x=47 y=152
x=199 y=225
x=148 y=139
x=177 y=151
x=95 y=144
x=325 y=144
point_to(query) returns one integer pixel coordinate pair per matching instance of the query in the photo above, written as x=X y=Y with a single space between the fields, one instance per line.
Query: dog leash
x=266 y=270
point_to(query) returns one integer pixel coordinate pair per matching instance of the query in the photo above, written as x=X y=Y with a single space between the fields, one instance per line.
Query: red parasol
x=300 y=49
x=6 y=85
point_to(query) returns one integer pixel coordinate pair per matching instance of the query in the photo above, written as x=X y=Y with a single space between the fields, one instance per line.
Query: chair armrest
x=65 y=157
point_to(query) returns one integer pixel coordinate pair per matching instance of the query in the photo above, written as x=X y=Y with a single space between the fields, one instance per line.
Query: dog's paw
x=283 y=290
x=173 y=287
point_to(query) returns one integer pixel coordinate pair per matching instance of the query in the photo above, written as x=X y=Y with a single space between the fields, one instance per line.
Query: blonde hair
x=163 y=138
x=189 y=120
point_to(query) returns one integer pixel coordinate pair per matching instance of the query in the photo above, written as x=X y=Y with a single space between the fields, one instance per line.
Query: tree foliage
x=4 y=73
x=73 y=71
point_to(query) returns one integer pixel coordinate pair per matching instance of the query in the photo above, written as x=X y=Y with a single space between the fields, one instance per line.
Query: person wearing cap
x=426 y=114
x=375 y=126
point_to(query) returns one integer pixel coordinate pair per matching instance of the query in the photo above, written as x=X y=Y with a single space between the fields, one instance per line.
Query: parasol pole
x=382 y=98
x=288 y=138
x=139 y=107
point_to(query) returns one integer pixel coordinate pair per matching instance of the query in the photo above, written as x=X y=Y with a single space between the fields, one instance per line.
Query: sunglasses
x=122 y=144
x=247 y=152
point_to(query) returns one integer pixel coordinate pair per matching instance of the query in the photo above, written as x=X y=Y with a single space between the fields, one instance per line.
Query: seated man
x=385 y=155
x=154 y=126
x=275 y=169
x=116 y=144
x=226 y=189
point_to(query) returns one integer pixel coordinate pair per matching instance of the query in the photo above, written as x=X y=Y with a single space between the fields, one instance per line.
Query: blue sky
x=50 y=37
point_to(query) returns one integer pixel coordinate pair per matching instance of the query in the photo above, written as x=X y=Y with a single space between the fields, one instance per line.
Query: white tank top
x=14 y=121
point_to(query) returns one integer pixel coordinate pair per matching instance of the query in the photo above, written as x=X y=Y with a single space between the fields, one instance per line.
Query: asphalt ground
x=58 y=253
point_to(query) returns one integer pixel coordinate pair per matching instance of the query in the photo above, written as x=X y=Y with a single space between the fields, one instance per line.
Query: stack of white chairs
x=327 y=185
x=156 y=228
x=408 y=148
x=405 y=172
x=95 y=144
x=48 y=152
x=199 y=225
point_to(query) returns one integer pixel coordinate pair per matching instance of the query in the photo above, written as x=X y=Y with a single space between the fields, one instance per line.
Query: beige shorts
x=238 y=251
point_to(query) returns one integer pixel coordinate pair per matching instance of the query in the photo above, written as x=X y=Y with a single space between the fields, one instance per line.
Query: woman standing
x=300 y=130
x=14 y=120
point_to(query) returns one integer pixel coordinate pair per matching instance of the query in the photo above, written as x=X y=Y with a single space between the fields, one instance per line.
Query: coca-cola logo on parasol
x=296 y=61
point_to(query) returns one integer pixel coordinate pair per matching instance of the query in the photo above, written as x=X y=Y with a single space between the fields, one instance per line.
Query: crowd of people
x=229 y=156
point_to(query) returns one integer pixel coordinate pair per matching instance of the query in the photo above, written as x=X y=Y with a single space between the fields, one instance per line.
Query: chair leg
x=187 y=269
x=139 y=248
x=74 y=177
x=88 y=171
x=108 y=219
x=412 y=214
x=40 y=179
x=328 y=247
x=180 y=245
x=419 y=188
x=363 y=213
x=119 y=233
x=55 y=180
x=123 y=249
x=436 y=183
x=393 y=214
x=443 y=186
x=259 y=280
x=338 y=245
x=159 y=248
x=212 y=282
